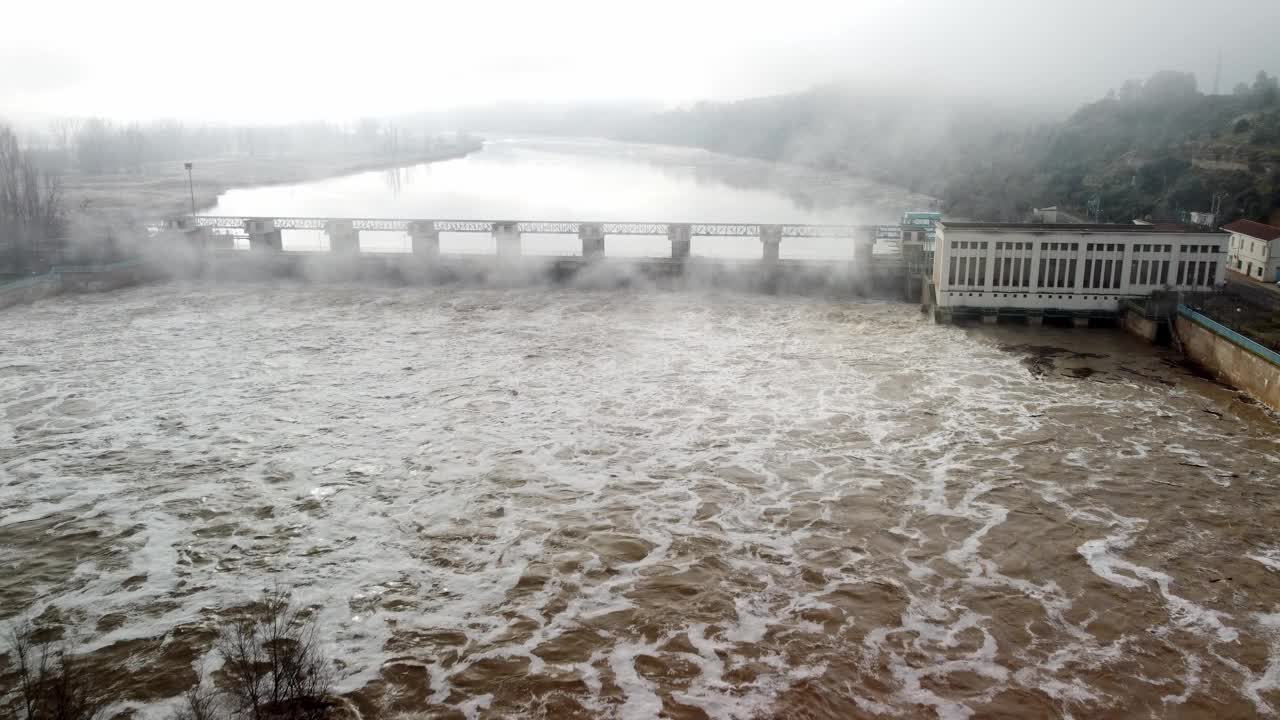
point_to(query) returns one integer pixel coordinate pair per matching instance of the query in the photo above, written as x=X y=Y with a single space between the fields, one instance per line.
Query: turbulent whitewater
x=549 y=503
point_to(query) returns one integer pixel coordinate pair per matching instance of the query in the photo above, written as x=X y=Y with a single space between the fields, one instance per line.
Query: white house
x=1068 y=270
x=1254 y=250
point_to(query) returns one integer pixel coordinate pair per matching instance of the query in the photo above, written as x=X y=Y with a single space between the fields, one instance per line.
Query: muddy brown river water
x=563 y=504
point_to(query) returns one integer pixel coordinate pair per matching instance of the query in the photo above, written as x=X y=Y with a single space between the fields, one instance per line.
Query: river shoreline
x=161 y=189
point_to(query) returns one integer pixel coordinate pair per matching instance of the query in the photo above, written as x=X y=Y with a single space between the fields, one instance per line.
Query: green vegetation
x=1156 y=149
x=1256 y=321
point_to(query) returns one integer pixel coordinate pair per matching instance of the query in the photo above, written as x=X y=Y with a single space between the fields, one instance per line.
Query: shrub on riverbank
x=273 y=668
x=45 y=681
x=270 y=667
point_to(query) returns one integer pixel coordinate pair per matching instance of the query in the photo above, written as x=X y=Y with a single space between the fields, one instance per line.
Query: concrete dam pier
x=212 y=242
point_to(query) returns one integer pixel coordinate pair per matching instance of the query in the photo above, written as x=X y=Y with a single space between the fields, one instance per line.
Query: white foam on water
x=1269 y=679
x=1102 y=559
x=640 y=701
x=471 y=708
x=443 y=460
x=1254 y=684
x=1269 y=557
x=1190 y=681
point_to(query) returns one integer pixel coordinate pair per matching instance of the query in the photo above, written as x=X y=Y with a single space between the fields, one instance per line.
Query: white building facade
x=1075 y=270
x=1254 y=250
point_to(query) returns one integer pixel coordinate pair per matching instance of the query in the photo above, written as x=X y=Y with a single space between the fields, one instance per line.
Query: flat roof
x=1076 y=228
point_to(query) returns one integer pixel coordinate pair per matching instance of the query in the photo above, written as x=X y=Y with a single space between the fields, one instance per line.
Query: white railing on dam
x=264 y=232
x=567 y=227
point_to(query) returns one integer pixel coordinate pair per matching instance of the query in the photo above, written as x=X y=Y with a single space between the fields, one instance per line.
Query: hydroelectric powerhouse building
x=1081 y=272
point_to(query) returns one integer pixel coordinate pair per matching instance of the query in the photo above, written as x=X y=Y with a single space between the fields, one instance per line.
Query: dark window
x=1164 y=272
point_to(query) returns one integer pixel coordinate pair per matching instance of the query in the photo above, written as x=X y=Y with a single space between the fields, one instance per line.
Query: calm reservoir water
x=564 y=503
x=587 y=180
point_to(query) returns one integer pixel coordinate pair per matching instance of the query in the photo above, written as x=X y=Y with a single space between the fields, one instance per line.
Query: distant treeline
x=31 y=210
x=97 y=146
x=1156 y=149
x=39 y=226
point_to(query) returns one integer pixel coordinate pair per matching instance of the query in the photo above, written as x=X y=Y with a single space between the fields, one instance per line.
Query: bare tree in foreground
x=31 y=208
x=273 y=668
x=47 y=682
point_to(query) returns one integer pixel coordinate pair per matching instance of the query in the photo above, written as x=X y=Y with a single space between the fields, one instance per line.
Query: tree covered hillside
x=1156 y=149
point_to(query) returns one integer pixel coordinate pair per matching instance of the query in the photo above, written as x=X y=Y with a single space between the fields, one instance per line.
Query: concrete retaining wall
x=71 y=280
x=1136 y=324
x=85 y=280
x=1231 y=357
x=29 y=290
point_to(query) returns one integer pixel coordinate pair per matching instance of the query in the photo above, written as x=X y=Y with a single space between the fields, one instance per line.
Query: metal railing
x=1227 y=333
x=564 y=227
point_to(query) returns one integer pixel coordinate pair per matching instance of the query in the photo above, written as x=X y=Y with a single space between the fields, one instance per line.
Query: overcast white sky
x=271 y=61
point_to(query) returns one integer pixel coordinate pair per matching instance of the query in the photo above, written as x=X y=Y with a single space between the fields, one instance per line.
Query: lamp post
x=191 y=188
